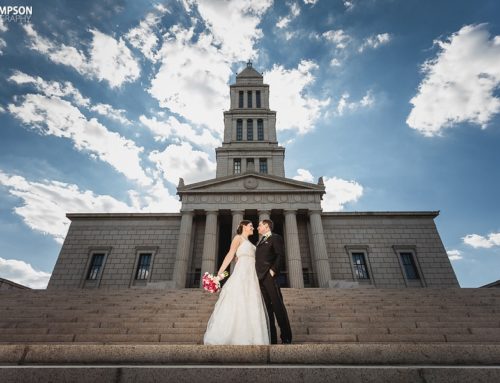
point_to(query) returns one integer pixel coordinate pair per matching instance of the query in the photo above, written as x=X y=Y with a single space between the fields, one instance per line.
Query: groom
x=268 y=254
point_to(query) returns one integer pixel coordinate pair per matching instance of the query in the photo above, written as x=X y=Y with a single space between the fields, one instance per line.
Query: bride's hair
x=240 y=226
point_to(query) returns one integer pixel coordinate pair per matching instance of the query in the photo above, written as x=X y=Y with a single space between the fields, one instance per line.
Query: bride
x=239 y=315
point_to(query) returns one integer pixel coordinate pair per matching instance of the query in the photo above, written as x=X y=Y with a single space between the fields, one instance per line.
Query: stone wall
x=380 y=236
x=121 y=237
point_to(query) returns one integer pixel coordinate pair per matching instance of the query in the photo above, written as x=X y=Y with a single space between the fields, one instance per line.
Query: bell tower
x=250 y=143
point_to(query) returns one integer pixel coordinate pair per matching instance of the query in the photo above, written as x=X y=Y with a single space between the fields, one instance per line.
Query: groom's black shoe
x=286 y=341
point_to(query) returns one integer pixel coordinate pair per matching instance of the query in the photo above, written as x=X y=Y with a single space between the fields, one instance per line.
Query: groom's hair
x=269 y=223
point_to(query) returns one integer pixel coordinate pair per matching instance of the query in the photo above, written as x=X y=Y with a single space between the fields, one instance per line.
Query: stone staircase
x=384 y=333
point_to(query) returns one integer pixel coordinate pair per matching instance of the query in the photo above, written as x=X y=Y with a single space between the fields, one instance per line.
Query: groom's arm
x=279 y=249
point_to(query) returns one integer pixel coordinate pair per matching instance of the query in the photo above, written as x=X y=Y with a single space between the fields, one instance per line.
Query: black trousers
x=275 y=307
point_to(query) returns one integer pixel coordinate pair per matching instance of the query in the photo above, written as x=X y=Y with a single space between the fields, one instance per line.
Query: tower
x=250 y=142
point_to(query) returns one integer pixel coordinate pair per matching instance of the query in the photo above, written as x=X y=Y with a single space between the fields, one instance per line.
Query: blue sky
x=104 y=105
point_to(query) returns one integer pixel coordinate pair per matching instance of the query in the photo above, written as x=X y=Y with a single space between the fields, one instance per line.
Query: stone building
x=323 y=249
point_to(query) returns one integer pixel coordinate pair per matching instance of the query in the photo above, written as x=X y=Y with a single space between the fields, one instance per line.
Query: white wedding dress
x=239 y=315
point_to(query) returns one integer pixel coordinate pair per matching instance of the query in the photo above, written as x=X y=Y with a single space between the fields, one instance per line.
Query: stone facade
x=367 y=249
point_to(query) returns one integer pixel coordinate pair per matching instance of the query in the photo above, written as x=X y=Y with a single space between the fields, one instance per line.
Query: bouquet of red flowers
x=211 y=283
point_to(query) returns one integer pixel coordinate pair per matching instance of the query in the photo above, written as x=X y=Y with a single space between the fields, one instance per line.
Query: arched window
x=260 y=130
x=239 y=130
x=250 y=130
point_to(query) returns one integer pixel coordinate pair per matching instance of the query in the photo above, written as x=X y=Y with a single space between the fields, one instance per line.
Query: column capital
x=187 y=212
x=268 y=212
x=235 y=212
x=290 y=211
x=211 y=211
x=313 y=212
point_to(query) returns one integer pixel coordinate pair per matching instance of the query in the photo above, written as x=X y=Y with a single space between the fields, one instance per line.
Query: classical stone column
x=237 y=218
x=294 y=262
x=208 y=262
x=319 y=245
x=183 y=247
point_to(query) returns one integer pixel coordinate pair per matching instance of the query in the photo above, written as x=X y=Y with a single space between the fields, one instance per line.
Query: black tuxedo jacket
x=268 y=255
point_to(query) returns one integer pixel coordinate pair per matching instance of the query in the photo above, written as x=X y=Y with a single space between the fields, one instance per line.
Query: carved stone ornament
x=251 y=183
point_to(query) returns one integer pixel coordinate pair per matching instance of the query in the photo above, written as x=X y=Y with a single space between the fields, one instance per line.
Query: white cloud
x=312 y=2
x=294 y=13
x=335 y=62
x=304 y=175
x=23 y=273
x=459 y=84
x=173 y=128
x=45 y=204
x=349 y=4
x=338 y=37
x=296 y=109
x=3 y=44
x=67 y=90
x=454 y=255
x=478 y=241
x=340 y=192
x=182 y=161
x=234 y=25
x=375 y=41
x=192 y=79
x=108 y=59
x=54 y=116
x=3 y=26
x=344 y=105
x=143 y=37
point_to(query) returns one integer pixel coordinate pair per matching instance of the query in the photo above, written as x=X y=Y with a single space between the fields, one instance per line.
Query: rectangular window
x=360 y=269
x=249 y=99
x=237 y=166
x=240 y=99
x=263 y=165
x=257 y=99
x=250 y=165
x=143 y=266
x=409 y=265
x=260 y=130
x=95 y=266
x=239 y=130
x=250 y=130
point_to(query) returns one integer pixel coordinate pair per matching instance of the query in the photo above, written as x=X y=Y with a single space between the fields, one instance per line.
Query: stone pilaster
x=319 y=245
x=183 y=247
x=294 y=262
x=208 y=261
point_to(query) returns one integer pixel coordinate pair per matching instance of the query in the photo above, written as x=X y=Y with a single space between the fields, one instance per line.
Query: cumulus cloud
x=58 y=117
x=44 y=204
x=348 y=4
x=338 y=37
x=312 y=2
x=173 y=128
x=234 y=25
x=335 y=62
x=375 y=41
x=345 y=105
x=459 y=84
x=339 y=192
x=23 y=273
x=479 y=241
x=454 y=255
x=304 y=175
x=108 y=59
x=143 y=37
x=192 y=79
x=296 y=109
x=285 y=20
x=3 y=44
x=68 y=91
x=182 y=161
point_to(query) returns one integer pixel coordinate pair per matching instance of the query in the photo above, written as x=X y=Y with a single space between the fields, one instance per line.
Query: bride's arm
x=230 y=255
